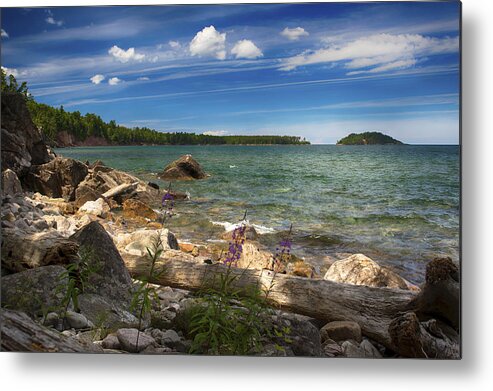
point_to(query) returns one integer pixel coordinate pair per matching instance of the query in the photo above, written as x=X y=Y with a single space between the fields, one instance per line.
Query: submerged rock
x=185 y=168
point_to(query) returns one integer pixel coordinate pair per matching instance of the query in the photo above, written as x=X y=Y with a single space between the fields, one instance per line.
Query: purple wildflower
x=283 y=252
x=168 y=203
x=236 y=246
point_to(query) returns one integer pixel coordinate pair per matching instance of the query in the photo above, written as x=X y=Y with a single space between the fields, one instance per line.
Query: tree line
x=52 y=120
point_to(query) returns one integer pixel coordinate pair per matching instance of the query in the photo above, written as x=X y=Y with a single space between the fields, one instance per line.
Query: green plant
x=145 y=294
x=76 y=279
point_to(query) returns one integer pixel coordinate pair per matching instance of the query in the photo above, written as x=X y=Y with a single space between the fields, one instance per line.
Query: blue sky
x=313 y=70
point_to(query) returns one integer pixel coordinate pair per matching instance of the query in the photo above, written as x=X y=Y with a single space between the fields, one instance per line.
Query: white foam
x=228 y=227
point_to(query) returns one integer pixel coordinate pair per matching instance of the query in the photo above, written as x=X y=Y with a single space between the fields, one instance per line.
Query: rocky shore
x=61 y=217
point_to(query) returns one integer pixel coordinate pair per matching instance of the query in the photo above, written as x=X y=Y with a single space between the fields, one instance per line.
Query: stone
x=51 y=319
x=170 y=338
x=76 y=320
x=112 y=280
x=128 y=340
x=58 y=178
x=253 y=257
x=304 y=337
x=135 y=209
x=11 y=185
x=104 y=313
x=111 y=342
x=34 y=291
x=250 y=234
x=22 y=143
x=358 y=269
x=137 y=242
x=340 y=331
x=185 y=168
x=351 y=349
x=331 y=348
x=98 y=208
x=272 y=350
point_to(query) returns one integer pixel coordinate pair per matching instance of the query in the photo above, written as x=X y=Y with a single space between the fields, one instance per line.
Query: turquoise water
x=396 y=204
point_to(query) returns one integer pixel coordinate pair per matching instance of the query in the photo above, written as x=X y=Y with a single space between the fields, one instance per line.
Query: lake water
x=397 y=204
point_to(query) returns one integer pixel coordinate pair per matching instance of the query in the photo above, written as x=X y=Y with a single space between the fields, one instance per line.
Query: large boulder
x=112 y=279
x=58 y=179
x=22 y=143
x=185 y=168
x=11 y=185
x=133 y=341
x=103 y=313
x=358 y=269
x=102 y=179
x=34 y=291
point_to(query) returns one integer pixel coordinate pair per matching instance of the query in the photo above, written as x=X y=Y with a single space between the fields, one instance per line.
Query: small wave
x=232 y=166
x=228 y=227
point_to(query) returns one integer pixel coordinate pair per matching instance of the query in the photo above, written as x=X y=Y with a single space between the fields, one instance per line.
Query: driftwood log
x=372 y=308
x=19 y=333
x=385 y=315
x=120 y=189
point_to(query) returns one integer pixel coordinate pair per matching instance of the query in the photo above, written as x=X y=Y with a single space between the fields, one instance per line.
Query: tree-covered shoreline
x=368 y=138
x=55 y=123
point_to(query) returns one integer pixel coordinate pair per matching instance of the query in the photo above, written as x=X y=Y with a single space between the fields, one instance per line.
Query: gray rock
x=170 y=338
x=272 y=350
x=331 y=348
x=128 y=340
x=157 y=350
x=34 y=291
x=113 y=280
x=76 y=320
x=104 y=313
x=352 y=349
x=11 y=185
x=111 y=342
x=340 y=331
x=304 y=337
x=40 y=225
x=51 y=319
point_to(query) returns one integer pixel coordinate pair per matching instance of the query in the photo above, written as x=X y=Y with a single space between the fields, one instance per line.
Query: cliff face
x=22 y=143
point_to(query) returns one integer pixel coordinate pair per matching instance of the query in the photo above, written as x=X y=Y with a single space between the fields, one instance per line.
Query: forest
x=53 y=120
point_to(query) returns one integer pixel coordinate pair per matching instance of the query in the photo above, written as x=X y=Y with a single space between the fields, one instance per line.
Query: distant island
x=368 y=138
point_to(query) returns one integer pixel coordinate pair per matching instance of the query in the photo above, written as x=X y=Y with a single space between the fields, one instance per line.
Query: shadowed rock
x=186 y=168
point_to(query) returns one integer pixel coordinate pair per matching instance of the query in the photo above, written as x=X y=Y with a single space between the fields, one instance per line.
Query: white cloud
x=215 y=133
x=294 y=34
x=96 y=79
x=125 y=55
x=4 y=34
x=51 y=20
x=174 y=44
x=114 y=81
x=246 y=49
x=382 y=52
x=209 y=42
x=143 y=78
x=14 y=72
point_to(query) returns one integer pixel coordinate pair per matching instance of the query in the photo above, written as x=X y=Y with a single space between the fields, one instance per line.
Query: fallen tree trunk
x=22 y=251
x=120 y=189
x=19 y=333
x=372 y=308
